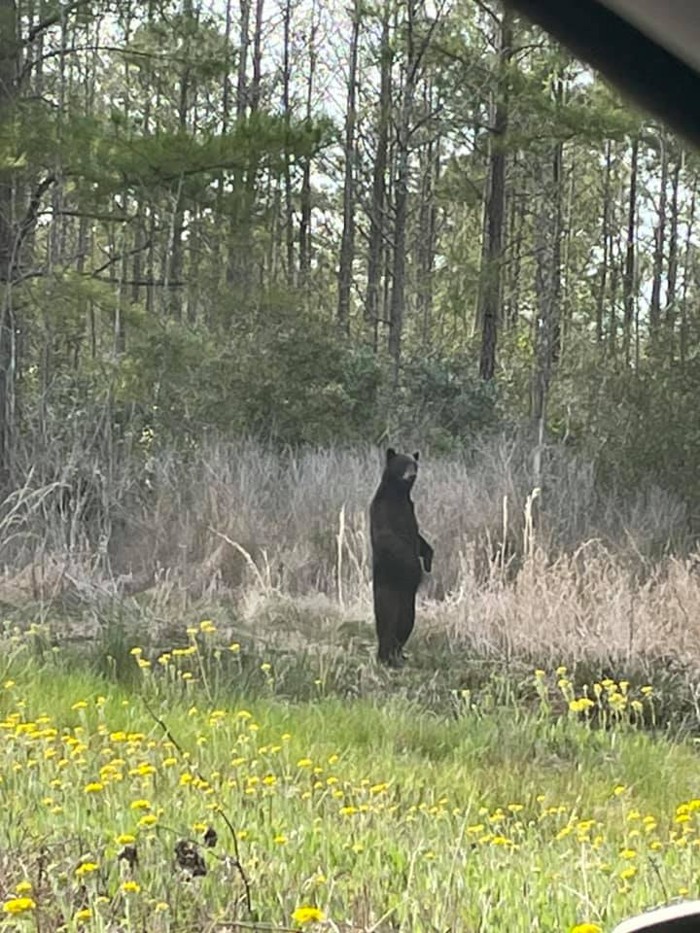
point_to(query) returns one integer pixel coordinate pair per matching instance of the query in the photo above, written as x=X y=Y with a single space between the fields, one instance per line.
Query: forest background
x=242 y=245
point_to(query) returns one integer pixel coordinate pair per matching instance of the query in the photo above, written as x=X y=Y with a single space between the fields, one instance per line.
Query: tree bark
x=659 y=244
x=305 y=218
x=688 y=276
x=9 y=71
x=672 y=276
x=244 y=44
x=287 y=111
x=628 y=279
x=605 y=236
x=347 y=243
x=426 y=235
x=401 y=182
x=492 y=264
x=377 y=211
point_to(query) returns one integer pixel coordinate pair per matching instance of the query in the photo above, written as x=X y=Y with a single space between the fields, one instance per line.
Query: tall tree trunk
x=255 y=87
x=347 y=244
x=672 y=278
x=377 y=210
x=688 y=275
x=548 y=236
x=629 y=277
x=244 y=45
x=659 y=244
x=175 y=266
x=305 y=218
x=548 y=292
x=426 y=234
x=9 y=70
x=287 y=111
x=605 y=235
x=402 y=166
x=492 y=270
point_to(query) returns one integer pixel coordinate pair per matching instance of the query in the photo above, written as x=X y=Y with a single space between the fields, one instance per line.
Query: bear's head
x=401 y=469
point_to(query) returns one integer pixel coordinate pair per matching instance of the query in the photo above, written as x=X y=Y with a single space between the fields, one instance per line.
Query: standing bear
x=397 y=550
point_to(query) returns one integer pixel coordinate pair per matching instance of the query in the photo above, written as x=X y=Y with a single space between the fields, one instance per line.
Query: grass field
x=367 y=801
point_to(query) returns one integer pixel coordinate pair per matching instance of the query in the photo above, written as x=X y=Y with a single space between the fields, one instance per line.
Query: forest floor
x=466 y=792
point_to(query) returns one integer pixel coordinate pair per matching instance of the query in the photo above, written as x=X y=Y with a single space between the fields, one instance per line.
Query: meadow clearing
x=531 y=802
x=221 y=752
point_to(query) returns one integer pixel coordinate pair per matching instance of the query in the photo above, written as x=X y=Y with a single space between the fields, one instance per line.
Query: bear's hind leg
x=387 y=610
x=407 y=618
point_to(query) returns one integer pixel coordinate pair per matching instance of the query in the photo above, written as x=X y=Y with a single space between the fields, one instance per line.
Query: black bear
x=397 y=551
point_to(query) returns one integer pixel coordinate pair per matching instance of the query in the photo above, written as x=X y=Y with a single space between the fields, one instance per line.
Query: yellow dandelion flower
x=84 y=914
x=94 y=787
x=501 y=841
x=23 y=887
x=161 y=906
x=81 y=704
x=234 y=647
x=628 y=873
x=207 y=627
x=280 y=839
x=586 y=928
x=140 y=805
x=142 y=770
x=304 y=915
x=18 y=905
x=136 y=652
x=304 y=763
x=131 y=887
x=86 y=868
x=148 y=820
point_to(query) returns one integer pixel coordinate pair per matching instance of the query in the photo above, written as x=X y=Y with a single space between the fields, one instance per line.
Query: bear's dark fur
x=397 y=551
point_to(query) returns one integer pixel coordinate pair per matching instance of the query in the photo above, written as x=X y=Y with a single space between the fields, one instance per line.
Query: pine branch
x=50 y=21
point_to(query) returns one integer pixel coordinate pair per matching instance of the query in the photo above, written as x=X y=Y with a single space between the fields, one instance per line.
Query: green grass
x=497 y=810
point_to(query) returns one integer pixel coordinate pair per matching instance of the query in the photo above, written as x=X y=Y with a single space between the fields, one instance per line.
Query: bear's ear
x=416 y=455
x=390 y=454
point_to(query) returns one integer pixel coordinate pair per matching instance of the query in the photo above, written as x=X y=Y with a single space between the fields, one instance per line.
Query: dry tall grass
x=245 y=523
